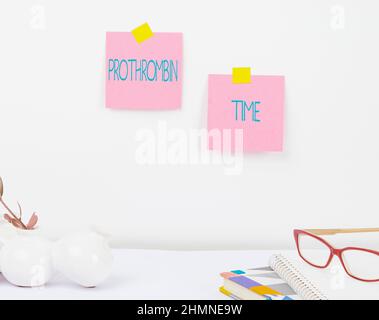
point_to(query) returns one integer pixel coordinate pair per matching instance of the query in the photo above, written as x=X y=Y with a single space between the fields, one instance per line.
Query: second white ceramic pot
x=84 y=258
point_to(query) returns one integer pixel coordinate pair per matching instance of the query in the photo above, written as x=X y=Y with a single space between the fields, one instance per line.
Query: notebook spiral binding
x=301 y=285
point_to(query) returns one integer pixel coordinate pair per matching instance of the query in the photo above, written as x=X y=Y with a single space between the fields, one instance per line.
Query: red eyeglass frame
x=333 y=251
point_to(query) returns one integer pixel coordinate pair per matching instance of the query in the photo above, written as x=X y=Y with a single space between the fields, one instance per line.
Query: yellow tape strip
x=242 y=75
x=142 y=33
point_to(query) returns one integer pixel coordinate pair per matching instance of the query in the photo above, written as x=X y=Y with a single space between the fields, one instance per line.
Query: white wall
x=65 y=155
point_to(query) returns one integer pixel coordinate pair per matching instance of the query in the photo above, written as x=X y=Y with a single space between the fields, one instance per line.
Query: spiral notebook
x=256 y=284
x=321 y=284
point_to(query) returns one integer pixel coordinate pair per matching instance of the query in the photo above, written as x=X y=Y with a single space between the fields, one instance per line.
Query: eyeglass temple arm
x=335 y=231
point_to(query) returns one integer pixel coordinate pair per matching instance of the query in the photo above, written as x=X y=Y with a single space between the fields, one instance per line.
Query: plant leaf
x=1 y=187
x=32 y=221
x=7 y=217
x=17 y=224
x=19 y=210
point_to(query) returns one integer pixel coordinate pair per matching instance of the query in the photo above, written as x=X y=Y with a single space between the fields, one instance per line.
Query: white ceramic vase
x=84 y=258
x=26 y=260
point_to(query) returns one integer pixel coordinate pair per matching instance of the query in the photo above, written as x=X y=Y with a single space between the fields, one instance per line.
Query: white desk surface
x=151 y=274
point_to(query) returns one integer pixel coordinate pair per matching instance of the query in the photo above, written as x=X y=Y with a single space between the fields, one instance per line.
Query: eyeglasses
x=359 y=263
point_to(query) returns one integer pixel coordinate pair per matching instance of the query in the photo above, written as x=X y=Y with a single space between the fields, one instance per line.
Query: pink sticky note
x=255 y=108
x=145 y=75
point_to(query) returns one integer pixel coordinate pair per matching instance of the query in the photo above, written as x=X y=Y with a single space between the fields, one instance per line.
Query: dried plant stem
x=12 y=214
